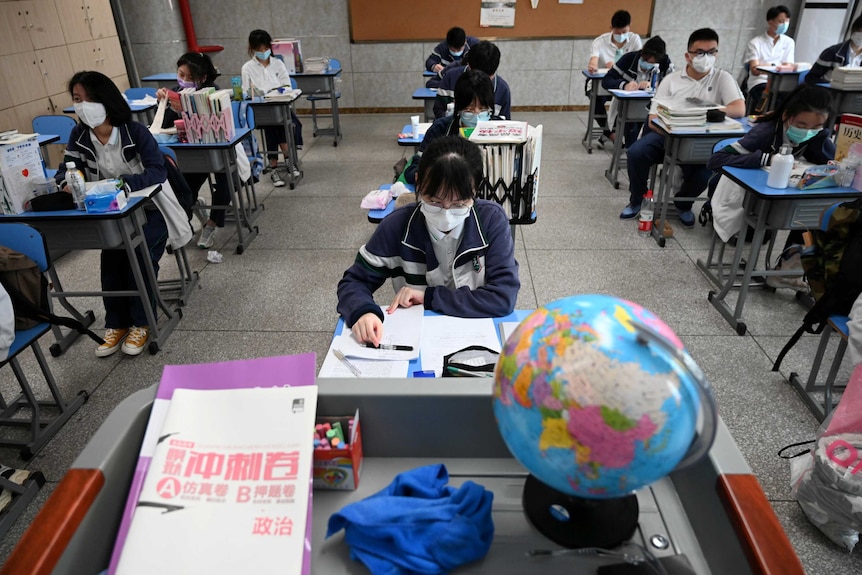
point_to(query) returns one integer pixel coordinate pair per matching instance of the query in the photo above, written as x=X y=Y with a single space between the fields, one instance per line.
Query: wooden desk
x=633 y=107
x=68 y=230
x=324 y=82
x=684 y=146
x=778 y=83
x=221 y=157
x=765 y=208
x=428 y=96
x=596 y=90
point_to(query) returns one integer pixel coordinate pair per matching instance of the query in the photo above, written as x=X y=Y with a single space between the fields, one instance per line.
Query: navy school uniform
x=446 y=93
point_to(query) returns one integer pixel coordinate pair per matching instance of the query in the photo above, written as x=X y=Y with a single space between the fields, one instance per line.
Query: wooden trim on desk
x=44 y=542
x=420 y=109
x=762 y=538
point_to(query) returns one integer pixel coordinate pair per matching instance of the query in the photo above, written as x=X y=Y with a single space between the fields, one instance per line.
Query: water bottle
x=236 y=85
x=779 y=171
x=646 y=215
x=653 y=79
x=75 y=181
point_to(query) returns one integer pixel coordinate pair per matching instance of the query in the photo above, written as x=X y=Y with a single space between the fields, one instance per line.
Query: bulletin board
x=429 y=20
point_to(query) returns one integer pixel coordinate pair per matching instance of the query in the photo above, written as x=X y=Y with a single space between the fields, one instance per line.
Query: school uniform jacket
x=446 y=93
x=484 y=269
x=442 y=55
x=831 y=58
x=627 y=69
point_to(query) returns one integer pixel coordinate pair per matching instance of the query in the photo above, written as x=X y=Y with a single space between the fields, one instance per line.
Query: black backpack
x=833 y=268
x=178 y=182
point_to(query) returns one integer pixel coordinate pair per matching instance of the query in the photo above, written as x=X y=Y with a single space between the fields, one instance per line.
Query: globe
x=596 y=397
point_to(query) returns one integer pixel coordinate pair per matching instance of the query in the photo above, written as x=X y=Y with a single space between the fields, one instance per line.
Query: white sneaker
x=276 y=179
x=207 y=237
x=18 y=476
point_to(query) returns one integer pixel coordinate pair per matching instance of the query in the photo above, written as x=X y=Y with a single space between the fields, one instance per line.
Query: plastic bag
x=827 y=481
x=376 y=200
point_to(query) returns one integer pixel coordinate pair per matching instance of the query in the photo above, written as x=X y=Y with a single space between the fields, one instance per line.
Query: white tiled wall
x=540 y=72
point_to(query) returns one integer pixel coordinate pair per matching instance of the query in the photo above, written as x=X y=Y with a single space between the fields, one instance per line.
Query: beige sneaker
x=113 y=338
x=136 y=341
x=18 y=476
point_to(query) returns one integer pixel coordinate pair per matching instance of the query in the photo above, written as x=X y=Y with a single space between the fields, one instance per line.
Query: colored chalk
x=336 y=443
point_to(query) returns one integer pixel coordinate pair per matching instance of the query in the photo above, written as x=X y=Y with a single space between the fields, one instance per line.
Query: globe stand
x=575 y=522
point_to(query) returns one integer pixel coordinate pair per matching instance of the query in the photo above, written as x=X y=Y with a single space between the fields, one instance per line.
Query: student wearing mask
x=847 y=53
x=450 y=51
x=474 y=101
x=484 y=56
x=451 y=252
x=106 y=143
x=771 y=48
x=699 y=79
x=798 y=122
x=266 y=73
x=634 y=71
x=196 y=70
x=606 y=50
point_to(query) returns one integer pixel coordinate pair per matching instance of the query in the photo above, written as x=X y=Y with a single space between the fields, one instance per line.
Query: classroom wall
x=540 y=73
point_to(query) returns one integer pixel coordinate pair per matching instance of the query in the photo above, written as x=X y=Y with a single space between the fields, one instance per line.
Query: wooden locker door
x=26 y=113
x=44 y=24
x=101 y=18
x=56 y=69
x=8 y=120
x=112 y=57
x=86 y=56
x=73 y=20
x=26 y=78
x=14 y=37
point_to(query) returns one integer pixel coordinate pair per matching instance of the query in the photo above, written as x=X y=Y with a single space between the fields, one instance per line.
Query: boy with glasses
x=699 y=79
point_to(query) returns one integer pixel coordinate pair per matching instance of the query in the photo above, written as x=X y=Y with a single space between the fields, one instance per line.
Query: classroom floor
x=279 y=298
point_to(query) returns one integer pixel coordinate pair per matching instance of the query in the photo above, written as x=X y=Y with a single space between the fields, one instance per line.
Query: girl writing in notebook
x=451 y=252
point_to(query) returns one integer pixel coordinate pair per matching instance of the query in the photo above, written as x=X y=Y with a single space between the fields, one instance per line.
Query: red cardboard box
x=339 y=468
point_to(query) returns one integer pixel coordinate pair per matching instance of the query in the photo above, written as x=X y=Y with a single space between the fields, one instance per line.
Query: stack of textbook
x=679 y=115
x=208 y=115
x=223 y=481
x=847 y=78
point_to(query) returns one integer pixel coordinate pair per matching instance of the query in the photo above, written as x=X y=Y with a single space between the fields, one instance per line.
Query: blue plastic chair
x=60 y=125
x=334 y=64
x=723 y=143
x=30 y=242
x=140 y=93
x=802 y=76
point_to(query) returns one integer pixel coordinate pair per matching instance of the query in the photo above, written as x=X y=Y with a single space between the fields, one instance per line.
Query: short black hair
x=484 y=56
x=621 y=19
x=857 y=25
x=259 y=38
x=200 y=66
x=472 y=85
x=456 y=37
x=450 y=169
x=655 y=48
x=702 y=35
x=776 y=11
x=101 y=89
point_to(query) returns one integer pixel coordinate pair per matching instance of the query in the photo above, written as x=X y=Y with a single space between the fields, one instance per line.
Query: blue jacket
x=485 y=271
x=446 y=93
x=829 y=59
x=442 y=55
x=136 y=141
x=755 y=149
x=627 y=69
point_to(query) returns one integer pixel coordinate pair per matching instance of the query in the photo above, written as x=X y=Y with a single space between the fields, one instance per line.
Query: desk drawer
x=199 y=161
x=797 y=214
x=269 y=115
x=85 y=235
x=697 y=150
x=311 y=85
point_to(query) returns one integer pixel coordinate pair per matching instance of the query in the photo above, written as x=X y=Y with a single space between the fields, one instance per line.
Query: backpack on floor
x=833 y=268
x=28 y=290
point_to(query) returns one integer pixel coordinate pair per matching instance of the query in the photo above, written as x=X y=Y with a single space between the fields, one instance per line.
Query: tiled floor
x=279 y=298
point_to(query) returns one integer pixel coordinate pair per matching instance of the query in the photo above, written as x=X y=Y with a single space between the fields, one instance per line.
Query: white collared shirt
x=109 y=157
x=606 y=51
x=264 y=78
x=445 y=249
x=717 y=87
x=769 y=53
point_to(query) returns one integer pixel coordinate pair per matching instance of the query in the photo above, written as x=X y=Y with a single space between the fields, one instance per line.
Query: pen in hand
x=389 y=346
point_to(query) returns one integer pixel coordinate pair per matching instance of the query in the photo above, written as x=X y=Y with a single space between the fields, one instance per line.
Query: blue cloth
x=418 y=524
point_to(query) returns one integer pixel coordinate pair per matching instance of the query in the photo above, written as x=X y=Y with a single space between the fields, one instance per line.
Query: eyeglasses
x=457 y=208
x=696 y=53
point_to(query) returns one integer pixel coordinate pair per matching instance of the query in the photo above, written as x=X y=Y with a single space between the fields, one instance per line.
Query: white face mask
x=93 y=114
x=444 y=220
x=703 y=63
x=856 y=38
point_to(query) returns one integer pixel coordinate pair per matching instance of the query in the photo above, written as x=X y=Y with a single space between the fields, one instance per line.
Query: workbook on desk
x=288 y=370
x=282 y=95
x=228 y=488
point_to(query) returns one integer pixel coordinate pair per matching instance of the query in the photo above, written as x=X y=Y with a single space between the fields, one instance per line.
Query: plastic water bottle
x=653 y=79
x=75 y=181
x=779 y=171
x=646 y=215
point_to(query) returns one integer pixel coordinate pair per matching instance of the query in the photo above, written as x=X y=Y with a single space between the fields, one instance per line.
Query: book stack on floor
x=847 y=78
x=223 y=481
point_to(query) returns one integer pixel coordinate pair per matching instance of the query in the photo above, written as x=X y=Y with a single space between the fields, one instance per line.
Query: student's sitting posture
x=634 y=71
x=474 y=101
x=606 y=50
x=450 y=51
x=196 y=70
x=484 y=56
x=798 y=122
x=699 y=79
x=771 y=48
x=451 y=252
x=847 y=53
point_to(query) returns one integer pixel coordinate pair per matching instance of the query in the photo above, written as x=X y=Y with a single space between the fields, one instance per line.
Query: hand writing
x=368 y=329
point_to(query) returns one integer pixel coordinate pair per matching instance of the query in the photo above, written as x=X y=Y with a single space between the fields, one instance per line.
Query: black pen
x=389 y=347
